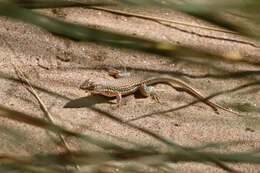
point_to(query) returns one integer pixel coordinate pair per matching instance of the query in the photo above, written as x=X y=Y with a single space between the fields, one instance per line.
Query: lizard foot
x=156 y=98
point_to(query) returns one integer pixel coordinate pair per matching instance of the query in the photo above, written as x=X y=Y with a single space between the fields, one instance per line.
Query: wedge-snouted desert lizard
x=128 y=85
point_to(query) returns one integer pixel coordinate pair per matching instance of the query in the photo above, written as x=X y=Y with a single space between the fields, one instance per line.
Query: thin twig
x=160 y=19
x=41 y=103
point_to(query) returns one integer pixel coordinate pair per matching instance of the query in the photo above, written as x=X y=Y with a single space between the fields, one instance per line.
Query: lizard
x=130 y=84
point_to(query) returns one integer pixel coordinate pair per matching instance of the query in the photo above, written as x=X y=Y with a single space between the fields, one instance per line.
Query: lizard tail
x=184 y=86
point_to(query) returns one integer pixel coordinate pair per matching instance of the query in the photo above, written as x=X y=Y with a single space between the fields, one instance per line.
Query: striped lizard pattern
x=130 y=84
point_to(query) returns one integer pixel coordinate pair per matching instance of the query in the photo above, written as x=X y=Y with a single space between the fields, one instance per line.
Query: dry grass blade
x=35 y=4
x=147 y=158
x=206 y=98
x=24 y=118
x=83 y=33
x=157 y=19
x=179 y=155
x=112 y=155
x=210 y=10
x=41 y=103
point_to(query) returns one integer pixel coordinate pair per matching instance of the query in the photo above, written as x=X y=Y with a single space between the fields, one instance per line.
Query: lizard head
x=90 y=86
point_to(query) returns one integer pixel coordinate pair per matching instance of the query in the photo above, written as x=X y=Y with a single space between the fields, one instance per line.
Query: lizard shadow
x=96 y=99
x=87 y=101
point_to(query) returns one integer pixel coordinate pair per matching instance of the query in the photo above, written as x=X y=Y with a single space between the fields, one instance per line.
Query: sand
x=57 y=66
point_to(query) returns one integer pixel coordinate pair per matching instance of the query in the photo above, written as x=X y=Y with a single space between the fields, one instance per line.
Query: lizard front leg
x=118 y=96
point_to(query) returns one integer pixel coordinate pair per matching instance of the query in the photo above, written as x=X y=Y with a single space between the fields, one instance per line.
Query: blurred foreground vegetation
x=135 y=158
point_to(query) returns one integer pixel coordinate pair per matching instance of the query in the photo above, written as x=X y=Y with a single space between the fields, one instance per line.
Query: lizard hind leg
x=117 y=73
x=149 y=91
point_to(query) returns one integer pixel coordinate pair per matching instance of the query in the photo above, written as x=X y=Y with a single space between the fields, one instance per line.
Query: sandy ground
x=57 y=67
